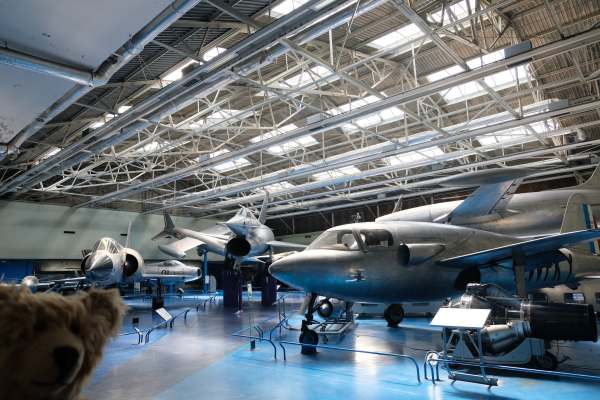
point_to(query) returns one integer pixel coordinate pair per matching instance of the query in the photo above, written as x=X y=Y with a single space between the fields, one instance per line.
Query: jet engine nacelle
x=133 y=264
x=417 y=253
x=238 y=246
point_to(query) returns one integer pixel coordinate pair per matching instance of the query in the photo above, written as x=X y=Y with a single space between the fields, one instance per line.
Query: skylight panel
x=212 y=53
x=148 y=148
x=218 y=117
x=228 y=165
x=53 y=150
x=519 y=135
x=177 y=73
x=123 y=109
x=407 y=34
x=390 y=114
x=105 y=118
x=336 y=173
x=286 y=7
x=498 y=81
x=286 y=147
x=454 y=12
x=278 y=187
x=307 y=76
x=414 y=156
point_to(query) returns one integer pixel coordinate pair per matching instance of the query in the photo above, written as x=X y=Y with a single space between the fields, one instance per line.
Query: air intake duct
x=238 y=246
x=556 y=321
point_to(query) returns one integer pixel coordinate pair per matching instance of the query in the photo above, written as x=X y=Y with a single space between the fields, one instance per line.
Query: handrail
x=573 y=375
x=169 y=322
x=259 y=338
x=378 y=353
x=427 y=362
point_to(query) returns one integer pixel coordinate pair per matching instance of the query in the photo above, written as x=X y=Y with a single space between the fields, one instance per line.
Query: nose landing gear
x=393 y=314
x=311 y=329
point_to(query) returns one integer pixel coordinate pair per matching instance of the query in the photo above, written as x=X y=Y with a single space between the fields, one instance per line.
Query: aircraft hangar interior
x=294 y=199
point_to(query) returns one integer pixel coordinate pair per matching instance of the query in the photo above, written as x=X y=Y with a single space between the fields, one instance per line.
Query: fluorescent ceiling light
x=336 y=173
x=286 y=7
x=387 y=115
x=408 y=35
x=228 y=165
x=414 y=156
x=285 y=147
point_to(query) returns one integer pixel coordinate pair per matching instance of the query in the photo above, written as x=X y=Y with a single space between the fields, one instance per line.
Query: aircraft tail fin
x=262 y=217
x=168 y=228
x=593 y=181
x=578 y=216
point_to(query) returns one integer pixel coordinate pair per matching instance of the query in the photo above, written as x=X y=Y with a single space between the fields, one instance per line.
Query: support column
x=519 y=271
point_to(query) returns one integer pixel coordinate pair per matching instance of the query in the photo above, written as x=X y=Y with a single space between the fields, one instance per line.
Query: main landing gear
x=393 y=314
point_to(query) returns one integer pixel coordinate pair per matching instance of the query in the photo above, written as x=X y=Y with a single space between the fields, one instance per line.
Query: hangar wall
x=34 y=231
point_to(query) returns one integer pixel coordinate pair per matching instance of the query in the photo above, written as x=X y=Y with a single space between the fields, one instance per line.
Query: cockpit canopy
x=108 y=244
x=348 y=239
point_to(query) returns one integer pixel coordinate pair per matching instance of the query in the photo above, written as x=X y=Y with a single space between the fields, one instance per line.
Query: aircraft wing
x=495 y=188
x=280 y=247
x=529 y=248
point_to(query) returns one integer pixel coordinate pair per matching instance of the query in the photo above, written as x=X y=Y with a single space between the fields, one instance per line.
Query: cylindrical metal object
x=556 y=321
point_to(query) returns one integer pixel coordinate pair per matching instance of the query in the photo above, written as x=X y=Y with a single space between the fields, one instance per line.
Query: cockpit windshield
x=107 y=244
x=347 y=239
x=335 y=240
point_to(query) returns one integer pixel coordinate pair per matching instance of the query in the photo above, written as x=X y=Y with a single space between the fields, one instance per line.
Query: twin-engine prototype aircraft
x=242 y=239
x=109 y=263
x=495 y=207
x=396 y=262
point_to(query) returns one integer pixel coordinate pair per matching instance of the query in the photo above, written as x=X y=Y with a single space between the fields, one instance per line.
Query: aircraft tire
x=325 y=309
x=547 y=362
x=309 y=337
x=394 y=314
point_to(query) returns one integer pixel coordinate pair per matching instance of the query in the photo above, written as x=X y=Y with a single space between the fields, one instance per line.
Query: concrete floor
x=199 y=358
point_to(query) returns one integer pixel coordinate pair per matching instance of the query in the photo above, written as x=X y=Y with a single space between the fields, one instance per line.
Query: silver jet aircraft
x=495 y=207
x=109 y=263
x=396 y=262
x=243 y=238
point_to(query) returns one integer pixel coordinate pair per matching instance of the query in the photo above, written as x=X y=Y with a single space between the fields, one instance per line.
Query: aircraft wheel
x=309 y=337
x=547 y=362
x=325 y=308
x=180 y=292
x=394 y=314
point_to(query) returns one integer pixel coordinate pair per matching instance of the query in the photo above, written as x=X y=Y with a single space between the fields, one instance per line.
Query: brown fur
x=32 y=326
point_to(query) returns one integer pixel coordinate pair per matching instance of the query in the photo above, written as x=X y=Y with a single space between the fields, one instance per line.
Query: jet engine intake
x=417 y=253
x=238 y=246
x=132 y=265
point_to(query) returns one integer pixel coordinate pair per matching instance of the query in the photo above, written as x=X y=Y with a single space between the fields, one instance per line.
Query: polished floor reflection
x=199 y=359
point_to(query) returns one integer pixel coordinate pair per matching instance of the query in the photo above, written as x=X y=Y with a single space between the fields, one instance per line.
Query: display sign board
x=461 y=318
x=164 y=314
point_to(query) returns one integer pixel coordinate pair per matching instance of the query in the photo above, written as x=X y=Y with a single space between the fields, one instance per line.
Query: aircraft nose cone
x=99 y=266
x=313 y=270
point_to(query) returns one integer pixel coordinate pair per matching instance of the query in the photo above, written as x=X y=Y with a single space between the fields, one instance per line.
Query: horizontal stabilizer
x=529 y=248
x=178 y=248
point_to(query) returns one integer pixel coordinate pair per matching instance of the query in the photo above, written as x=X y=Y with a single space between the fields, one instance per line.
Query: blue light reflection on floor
x=200 y=359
